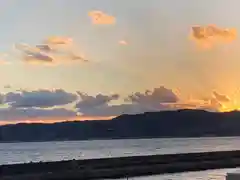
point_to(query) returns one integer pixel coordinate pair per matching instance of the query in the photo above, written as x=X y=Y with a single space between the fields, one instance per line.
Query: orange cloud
x=47 y=106
x=221 y=97
x=57 y=40
x=49 y=120
x=123 y=42
x=4 y=62
x=55 y=51
x=215 y=102
x=99 y=17
x=37 y=62
x=219 y=102
x=210 y=35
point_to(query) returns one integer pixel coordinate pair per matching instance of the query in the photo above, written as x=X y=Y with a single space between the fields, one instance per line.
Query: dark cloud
x=38 y=57
x=94 y=101
x=44 y=47
x=158 y=95
x=39 y=98
x=57 y=50
x=8 y=86
x=33 y=104
x=33 y=54
x=156 y=100
x=13 y=96
x=2 y=98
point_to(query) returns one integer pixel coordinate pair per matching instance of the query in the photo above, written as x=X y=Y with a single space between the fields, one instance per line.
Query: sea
x=13 y=153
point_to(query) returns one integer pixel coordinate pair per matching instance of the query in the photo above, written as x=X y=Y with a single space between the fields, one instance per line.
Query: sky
x=96 y=59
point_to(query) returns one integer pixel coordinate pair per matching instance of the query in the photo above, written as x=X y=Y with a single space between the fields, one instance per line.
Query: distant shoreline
x=9 y=142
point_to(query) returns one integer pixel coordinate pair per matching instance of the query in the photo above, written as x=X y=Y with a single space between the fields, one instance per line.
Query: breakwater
x=121 y=167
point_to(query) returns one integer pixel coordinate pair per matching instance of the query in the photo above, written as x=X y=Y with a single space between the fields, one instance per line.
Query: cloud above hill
x=159 y=99
x=94 y=101
x=158 y=95
x=39 y=98
x=43 y=104
x=155 y=100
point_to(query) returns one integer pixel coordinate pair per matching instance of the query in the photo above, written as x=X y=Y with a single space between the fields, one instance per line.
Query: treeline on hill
x=181 y=123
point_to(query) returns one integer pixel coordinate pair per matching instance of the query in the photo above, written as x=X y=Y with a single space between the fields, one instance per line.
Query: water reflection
x=203 y=175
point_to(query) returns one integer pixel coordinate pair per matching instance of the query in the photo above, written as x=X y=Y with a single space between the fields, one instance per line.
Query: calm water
x=205 y=175
x=54 y=151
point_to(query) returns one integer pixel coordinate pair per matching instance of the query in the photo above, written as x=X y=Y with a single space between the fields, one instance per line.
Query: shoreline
x=108 y=139
x=121 y=167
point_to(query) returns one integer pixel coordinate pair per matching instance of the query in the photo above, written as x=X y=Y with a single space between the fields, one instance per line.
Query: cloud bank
x=39 y=98
x=155 y=100
x=49 y=105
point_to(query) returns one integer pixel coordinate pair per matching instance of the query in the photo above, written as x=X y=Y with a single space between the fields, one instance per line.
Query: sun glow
x=48 y=120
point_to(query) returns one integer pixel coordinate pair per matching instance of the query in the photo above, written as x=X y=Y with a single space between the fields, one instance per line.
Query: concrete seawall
x=122 y=166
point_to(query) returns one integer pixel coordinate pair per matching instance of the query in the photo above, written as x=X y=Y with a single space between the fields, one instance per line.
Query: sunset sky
x=102 y=58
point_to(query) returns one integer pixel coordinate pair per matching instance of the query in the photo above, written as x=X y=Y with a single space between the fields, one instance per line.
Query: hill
x=181 y=123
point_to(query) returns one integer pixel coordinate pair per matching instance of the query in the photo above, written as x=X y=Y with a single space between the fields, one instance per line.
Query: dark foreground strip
x=121 y=167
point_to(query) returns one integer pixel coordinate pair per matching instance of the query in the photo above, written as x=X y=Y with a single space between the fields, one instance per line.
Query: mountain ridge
x=170 y=124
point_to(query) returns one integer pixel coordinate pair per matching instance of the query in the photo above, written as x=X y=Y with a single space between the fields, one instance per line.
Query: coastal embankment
x=121 y=167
